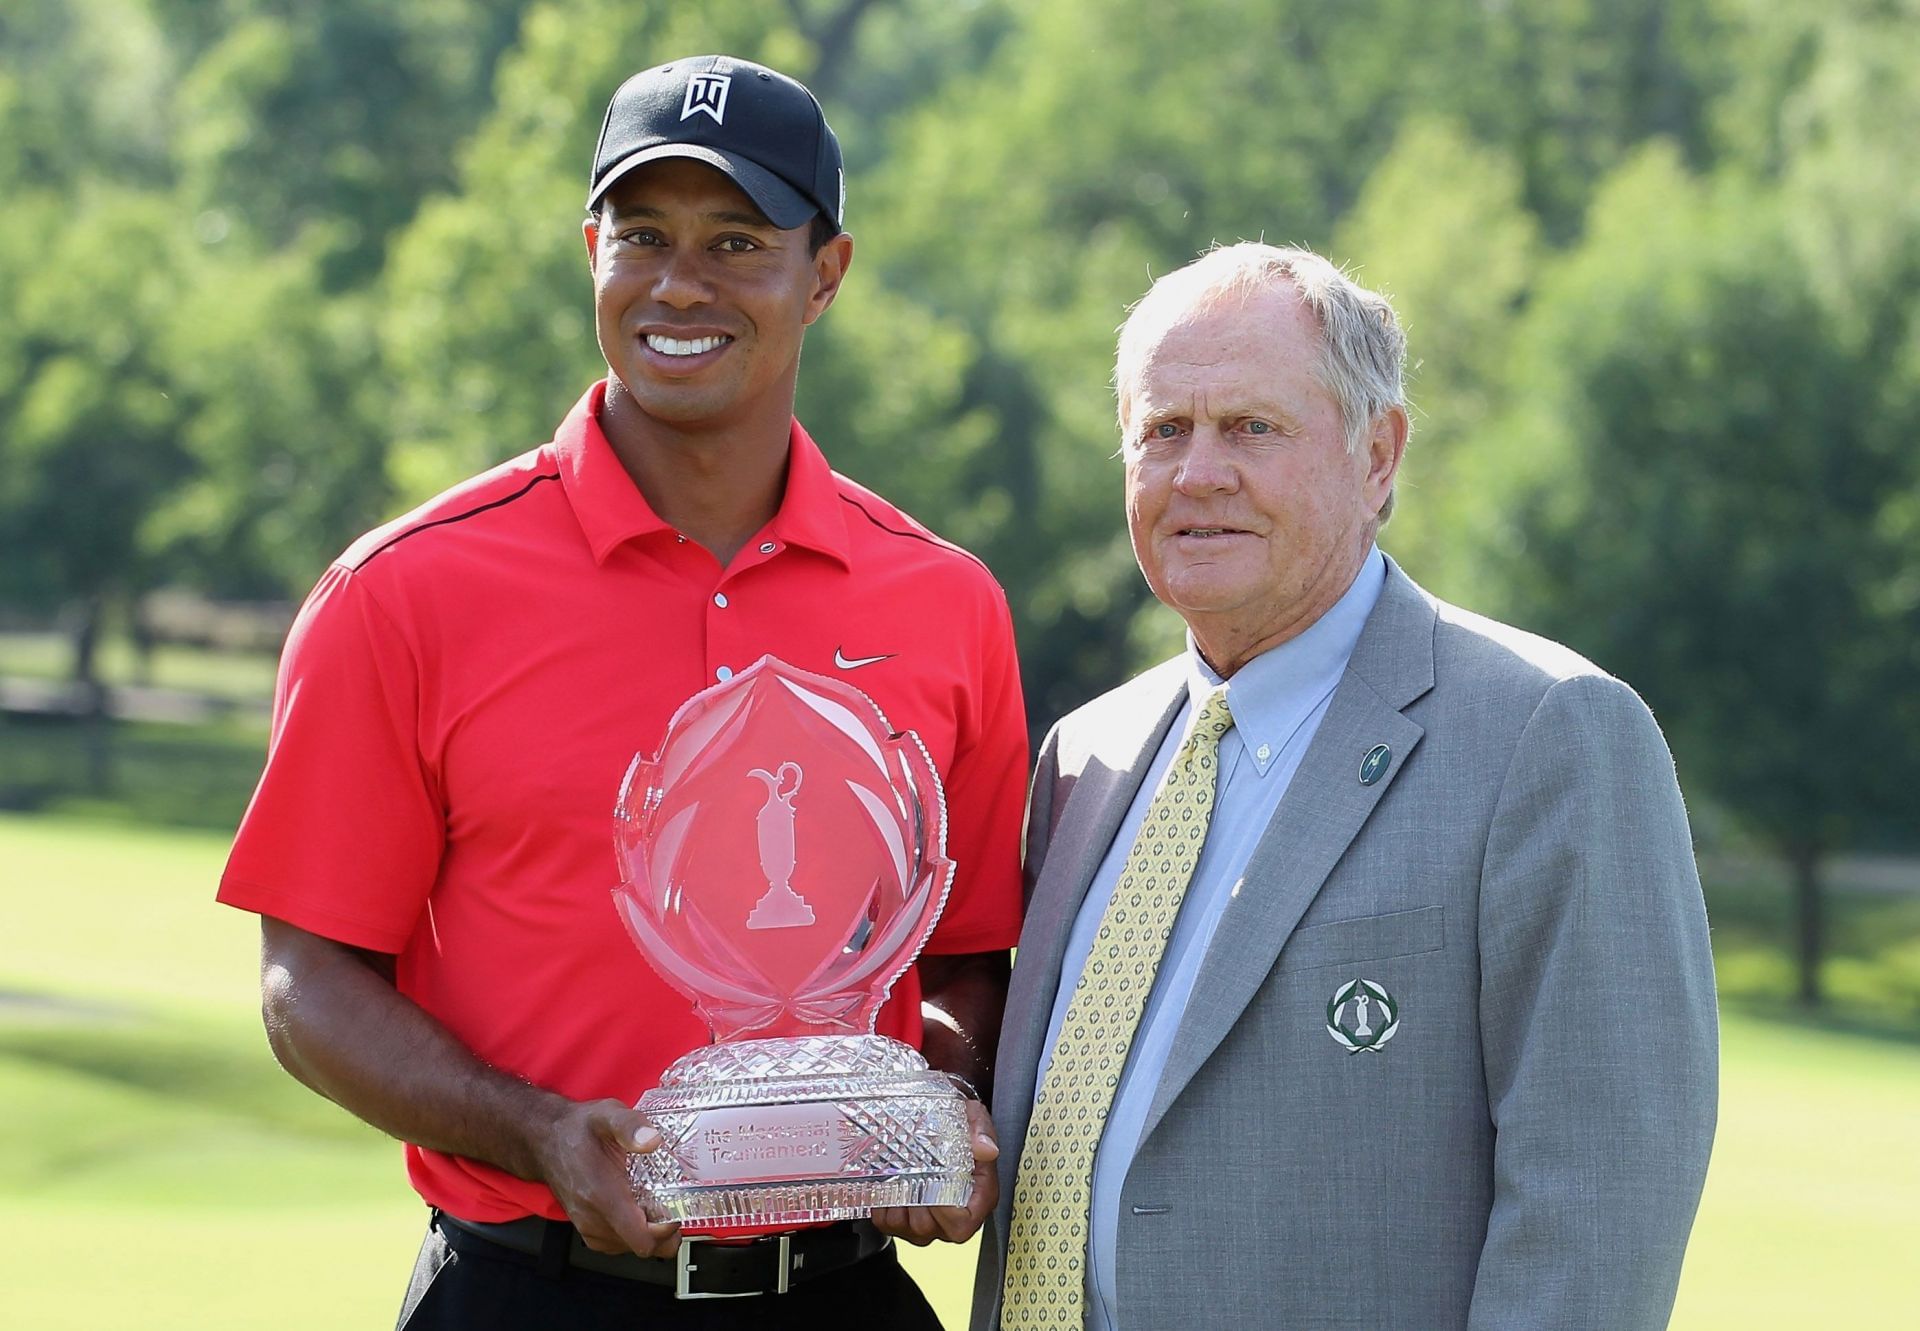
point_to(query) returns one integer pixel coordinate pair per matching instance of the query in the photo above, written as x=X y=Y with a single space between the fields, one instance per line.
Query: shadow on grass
x=200 y=1066
x=197 y=776
x=1828 y=1020
x=1871 y=969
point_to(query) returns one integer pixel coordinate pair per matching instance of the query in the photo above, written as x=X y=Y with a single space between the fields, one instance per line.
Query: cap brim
x=785 y=206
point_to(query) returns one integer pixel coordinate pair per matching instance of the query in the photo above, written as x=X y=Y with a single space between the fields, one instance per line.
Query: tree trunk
x=1810 y=916
x=140 y=633
x=95 y=739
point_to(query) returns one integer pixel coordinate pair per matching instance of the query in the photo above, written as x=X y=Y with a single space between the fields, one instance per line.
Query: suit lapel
x=1321 y=813
x=1105 y=785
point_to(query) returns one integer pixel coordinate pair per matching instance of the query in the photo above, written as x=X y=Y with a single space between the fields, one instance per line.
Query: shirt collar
x=811 y=514
x=611 y=510
x=1273 y=693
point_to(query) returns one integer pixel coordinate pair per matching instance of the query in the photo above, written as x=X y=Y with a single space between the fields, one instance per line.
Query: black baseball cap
x=763 y=129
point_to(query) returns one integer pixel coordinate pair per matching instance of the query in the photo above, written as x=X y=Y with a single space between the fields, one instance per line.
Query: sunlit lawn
x=156 y=1169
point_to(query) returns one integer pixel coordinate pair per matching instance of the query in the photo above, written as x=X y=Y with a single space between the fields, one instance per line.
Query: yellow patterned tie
x=1047 y=1247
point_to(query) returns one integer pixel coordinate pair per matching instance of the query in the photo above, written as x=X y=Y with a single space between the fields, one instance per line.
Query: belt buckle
x=684 y=1266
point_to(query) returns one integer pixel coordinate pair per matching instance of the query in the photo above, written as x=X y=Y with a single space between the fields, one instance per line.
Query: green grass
x=154 y=1158
x=1808 y=1218
x=158 y=1170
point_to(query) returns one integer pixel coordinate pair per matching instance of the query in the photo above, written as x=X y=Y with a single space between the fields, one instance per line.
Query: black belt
x=704 y=1268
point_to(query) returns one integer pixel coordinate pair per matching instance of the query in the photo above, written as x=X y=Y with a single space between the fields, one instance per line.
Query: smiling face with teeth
x=1248 y=514
x=701 y=303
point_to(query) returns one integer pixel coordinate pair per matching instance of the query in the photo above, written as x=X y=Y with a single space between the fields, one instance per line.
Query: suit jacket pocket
x=1404 y=933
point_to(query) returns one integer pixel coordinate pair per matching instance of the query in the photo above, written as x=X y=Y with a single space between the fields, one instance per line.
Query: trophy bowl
x=790 y=1131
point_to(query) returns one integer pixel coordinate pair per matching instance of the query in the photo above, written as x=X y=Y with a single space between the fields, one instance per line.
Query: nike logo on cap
x=846 y=662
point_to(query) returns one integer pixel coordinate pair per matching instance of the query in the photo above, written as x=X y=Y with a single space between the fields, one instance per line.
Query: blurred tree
x=306 y=136
x=1097 y=144
x=88 y=433
x=1569 y=87
x=83 y=94
x=368 y=220
x=87 y=430
x=195 y=192
x=326 y=124
x=1441 y=227
x=274 y=382
x=1734 y=530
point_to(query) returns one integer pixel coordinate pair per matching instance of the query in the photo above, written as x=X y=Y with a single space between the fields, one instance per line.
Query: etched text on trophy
x=753 y=1143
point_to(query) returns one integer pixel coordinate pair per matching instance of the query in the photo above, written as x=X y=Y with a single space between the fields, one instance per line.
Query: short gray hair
x=1363 y=349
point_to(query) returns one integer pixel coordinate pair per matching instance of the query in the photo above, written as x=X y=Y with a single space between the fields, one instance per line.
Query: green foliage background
x=275 y=272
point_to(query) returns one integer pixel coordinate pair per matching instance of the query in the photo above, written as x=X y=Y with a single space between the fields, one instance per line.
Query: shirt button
x=720 y=599
x=767 y=547
x=1263 y=753
x=679 y=540
x=723 y=674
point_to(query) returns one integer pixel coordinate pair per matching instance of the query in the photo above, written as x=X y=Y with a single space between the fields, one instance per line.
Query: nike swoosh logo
x=846 y=662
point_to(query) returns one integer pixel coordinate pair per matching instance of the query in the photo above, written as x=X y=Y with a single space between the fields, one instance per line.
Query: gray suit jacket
x=1528 y=1148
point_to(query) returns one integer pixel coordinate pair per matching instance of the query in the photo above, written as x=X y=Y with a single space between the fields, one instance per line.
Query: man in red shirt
x=429 y=848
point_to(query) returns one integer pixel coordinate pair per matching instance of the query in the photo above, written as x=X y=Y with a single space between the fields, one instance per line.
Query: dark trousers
x=489 y=1289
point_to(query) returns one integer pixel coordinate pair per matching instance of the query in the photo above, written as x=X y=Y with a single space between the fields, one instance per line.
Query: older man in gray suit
x=1365 y=978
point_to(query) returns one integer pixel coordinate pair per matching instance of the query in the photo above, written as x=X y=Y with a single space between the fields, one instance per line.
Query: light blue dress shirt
x=1277 y=701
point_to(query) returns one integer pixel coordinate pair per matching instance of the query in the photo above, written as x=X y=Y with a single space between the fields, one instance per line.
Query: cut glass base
x=768 y=1134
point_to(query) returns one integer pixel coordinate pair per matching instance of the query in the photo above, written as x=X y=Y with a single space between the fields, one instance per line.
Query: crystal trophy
x=782 y=861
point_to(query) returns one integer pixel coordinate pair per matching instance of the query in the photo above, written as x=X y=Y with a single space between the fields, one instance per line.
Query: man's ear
x=590 y=229
x=829 y=271
x=1386 y=446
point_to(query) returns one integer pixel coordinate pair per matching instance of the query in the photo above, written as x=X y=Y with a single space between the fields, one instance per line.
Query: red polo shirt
x=465 y=687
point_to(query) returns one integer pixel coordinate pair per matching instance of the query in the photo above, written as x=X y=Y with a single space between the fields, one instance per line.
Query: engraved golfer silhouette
x=781 y=907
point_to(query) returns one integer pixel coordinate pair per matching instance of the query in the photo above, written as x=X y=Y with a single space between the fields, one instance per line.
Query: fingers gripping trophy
x=783 y=860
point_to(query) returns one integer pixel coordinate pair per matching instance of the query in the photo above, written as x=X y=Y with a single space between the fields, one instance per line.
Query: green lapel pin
x=1375 y=764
